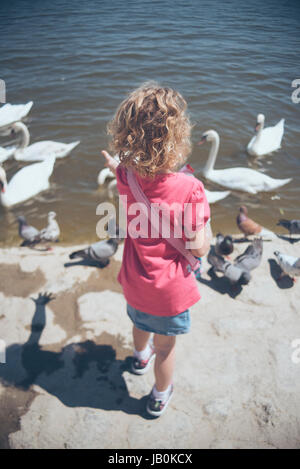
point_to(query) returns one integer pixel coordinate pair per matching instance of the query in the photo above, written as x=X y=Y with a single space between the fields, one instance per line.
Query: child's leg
x=140 y=339
x=164 y=361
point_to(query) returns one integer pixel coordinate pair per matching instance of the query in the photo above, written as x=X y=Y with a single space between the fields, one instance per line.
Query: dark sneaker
x=140 y=367
x=157 y=407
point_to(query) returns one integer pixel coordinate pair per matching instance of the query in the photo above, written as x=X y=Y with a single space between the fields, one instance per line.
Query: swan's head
x=260 y=120
x=51 y=216
x=3 y=180
x=209 y=136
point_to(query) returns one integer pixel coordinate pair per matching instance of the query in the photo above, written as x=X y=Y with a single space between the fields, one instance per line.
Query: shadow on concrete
x=99 y=265
x=79 y=375
x=221 y=284
x=276 y=271
x=289 y=239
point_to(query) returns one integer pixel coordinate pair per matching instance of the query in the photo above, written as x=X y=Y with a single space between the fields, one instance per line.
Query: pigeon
x=29 y=233
x=250 y=227
x=233 y=273
x=99 y=252
x=251 y=258
x=290 y=265
x=224 y=245
x=293 y=226
x=52 y=231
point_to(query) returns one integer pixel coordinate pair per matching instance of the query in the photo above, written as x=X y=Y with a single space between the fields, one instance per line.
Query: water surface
x=76 y=60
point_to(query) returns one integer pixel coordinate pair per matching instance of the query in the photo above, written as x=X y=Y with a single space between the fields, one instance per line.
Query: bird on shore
x=293 y=226
x=39 y=151
x=28 y=233
x=224 y=245
x=290 y=265
x=52 y=231
x=267 y=139
x=99 y=252
x=251 y=258
x=249 y=227
x=239 y=178
x=233 y=273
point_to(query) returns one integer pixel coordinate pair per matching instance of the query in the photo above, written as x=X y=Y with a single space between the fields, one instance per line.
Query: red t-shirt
x=154 y=275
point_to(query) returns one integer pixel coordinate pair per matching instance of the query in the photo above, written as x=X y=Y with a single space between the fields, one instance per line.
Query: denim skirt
x=164 y=325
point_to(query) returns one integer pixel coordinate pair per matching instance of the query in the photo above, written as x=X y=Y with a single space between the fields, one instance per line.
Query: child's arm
x=111 y=163
x=201 y=241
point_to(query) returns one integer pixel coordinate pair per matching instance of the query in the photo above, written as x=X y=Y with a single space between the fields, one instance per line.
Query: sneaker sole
x=158 y=414
x=143 y=370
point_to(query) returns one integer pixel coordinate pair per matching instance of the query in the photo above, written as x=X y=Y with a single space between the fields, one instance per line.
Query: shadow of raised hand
x=43 y=298
x=34 y=359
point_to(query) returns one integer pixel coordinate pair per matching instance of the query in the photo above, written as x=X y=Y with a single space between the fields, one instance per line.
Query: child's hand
x=110 y=163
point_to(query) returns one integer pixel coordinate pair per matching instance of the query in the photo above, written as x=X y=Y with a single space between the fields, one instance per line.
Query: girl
x=151 y=133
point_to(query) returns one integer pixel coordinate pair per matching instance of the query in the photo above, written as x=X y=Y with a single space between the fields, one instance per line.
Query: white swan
x=103 y=175
x=240 y=179
x=39 y=151
x=266 y=140
x=215 y=196
x=6 y=153
x=26 y=183
x=212 y=197
x=106 y=173
x=10 y=113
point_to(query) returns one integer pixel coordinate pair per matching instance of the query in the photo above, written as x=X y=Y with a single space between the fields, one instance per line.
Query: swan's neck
x=259 y=133
x=3 y=180
x=25 y=135
x=212 y=155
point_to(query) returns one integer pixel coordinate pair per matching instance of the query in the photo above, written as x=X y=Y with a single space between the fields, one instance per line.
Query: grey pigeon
x=293 y=226
x=290 y=265
x=30 y=234
x=251 y=258
x=224 y=245
x=217 y=262
x=234 y=273
x=99 y=252
x=52 y=231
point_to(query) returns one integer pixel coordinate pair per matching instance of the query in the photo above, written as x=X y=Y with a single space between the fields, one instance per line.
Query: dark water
x=77 y=59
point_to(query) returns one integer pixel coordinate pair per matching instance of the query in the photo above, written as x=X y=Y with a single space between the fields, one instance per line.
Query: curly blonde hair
x=151 y=130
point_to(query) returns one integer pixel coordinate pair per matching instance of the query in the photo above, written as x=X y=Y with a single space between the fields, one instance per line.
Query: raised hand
x=110 y=163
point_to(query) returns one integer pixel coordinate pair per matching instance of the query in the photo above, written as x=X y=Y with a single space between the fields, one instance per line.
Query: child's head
x=151 y=131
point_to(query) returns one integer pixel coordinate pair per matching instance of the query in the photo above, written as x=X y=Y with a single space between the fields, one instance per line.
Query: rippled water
x=76 y=60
